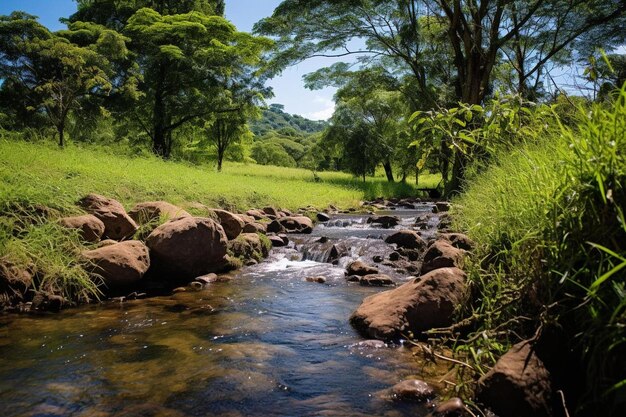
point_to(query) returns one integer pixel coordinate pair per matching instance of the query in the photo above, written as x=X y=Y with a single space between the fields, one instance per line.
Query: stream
x=266 y=343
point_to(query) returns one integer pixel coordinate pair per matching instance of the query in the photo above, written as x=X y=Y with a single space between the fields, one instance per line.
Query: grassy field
x=36 y=175
x=44 y=174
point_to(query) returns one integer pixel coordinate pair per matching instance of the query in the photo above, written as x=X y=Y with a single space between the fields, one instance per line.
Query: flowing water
x=266 y=343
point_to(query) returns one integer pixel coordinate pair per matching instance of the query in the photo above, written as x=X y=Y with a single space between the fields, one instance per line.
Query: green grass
x=44 y=174
x=40 y=183
x=548 y=217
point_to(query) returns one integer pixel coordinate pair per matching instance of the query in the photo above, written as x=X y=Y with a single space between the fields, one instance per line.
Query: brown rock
x=458 y=240
x=361 y=269
x=442 y=206
x=442 y=255
x=421 y=304
x=15 y=281
x=271 y=211
x=117 y=224
x=247 y=219
x=255 y=228
x=256 y=214
x=377 y=280
x=518 y=385
x=453 y=407
x=120 y=265
x=385 y=221
x=297 y=224
x=406 y=239
x=207 y=279
x=91 y=228
x=232 y=223
x=412 y=390
x=248 y=246
x=353 y=278
x=107 y=242
x=277 y=241
x=149 y=211
x=188 y=247
x=319 y=280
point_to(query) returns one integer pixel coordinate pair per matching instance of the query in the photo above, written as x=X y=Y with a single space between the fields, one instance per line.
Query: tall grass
x=549 y=220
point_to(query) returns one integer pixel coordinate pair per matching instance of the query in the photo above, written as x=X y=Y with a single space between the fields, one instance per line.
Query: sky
x=288 y=88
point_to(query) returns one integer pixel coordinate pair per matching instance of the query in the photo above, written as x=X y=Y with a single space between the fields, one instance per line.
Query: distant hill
x=275 y=119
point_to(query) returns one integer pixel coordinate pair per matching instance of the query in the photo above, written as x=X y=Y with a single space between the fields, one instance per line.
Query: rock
x=117 y=223
x=319 y=280
x=378 y=259
x=360 y=269
x=518 y=385
x=43 y=301
x=248 y=246
x=442 y=206
x=207 y=279
x=120 y=265
x=337 y=252
x=385 y=221
x=247 y=219
x=406 y=239
x=15 y=281
x=107 y=242
x=285 y=213
x=412 y=254
x=421 y=304
x=394 y=256
x=150 y=211
x=458 y=240
x=322 y=239
x=275 y=227
x=442 y=255
x=297 y=224
x=377 y=280
x=323 y=217
x=185 y=248
x=232 y=223
x=255 y=228
x=453 y=407
x=256 y=214
x=91 y=228
x=412 y=390
x=271 y=211
x=353 y=278
x=277 y=241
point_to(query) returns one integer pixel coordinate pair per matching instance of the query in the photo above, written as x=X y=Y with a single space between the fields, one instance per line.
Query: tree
x=225 y=130
x=188 y=55
x=184 y=59
x=44 y=73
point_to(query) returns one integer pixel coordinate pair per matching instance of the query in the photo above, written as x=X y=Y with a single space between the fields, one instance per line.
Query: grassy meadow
x=35 y=175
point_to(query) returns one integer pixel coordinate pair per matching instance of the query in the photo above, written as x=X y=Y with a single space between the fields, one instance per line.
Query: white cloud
x=326 y=108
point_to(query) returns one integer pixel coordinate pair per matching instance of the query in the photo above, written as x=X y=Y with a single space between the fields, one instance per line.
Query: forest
x=514 y=111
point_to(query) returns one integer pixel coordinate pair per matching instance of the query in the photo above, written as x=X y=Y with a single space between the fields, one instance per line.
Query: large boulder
x=249 y=246
x=441 y=254
x=185 y=248
x=90 y=227
x=421 y=304
x=15 y=281
x=120 y=265
x=406 y=239
x=149 y=211
x=291 y=224
x=232 y=223
x=361 y=269
x=518 y=385
x=117 y=223
x=385 y=221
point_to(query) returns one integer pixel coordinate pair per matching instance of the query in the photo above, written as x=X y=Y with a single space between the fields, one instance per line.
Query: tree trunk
x=220 y=158
x=458 y=175
x=388 y=171
x=61 y=131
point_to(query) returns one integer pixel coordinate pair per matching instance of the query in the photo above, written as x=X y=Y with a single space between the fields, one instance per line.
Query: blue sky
x=288 y=88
